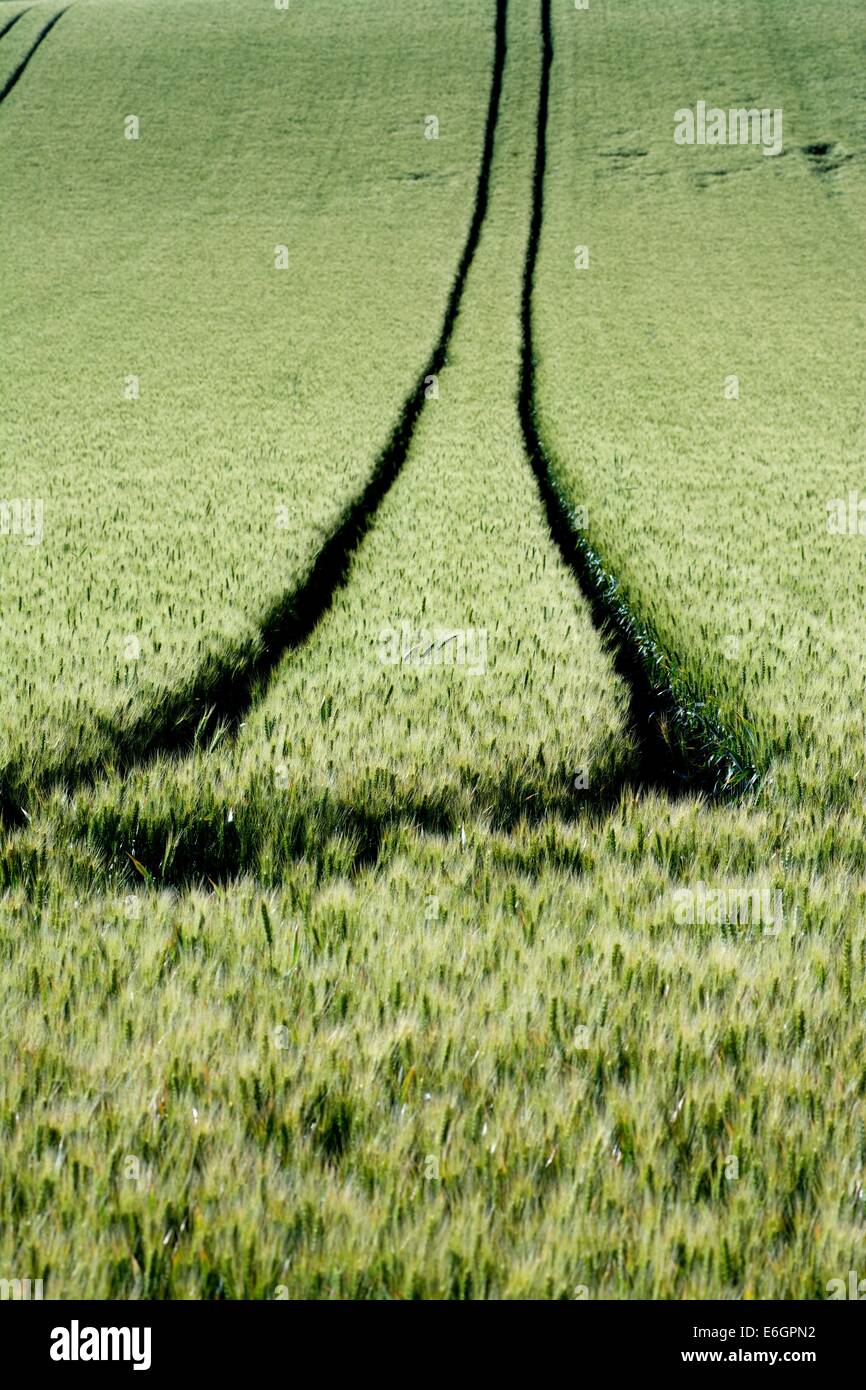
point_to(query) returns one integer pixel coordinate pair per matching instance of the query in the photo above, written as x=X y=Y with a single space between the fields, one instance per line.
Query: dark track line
x=681 y=746
x=18 y=72
x=4 y=29
x=292 y=619
x=224 y=690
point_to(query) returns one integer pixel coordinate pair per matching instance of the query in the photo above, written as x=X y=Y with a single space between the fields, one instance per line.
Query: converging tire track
x=359 y=749
x=292 y=618
x=223 y=691
x=681 y=746
x=673 y=746
x=15 y=76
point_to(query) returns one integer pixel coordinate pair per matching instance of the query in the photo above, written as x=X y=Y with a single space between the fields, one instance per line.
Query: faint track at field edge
x=18 y=72
x=4 y=28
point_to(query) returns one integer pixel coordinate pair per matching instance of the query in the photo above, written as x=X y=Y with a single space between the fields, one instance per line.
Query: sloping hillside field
x=432 y=525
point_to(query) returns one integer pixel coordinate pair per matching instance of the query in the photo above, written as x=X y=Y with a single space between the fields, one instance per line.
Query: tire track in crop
x=4 y=29
x=682 y=742
x=293 y=617
x=228 y=683
x=18 y=72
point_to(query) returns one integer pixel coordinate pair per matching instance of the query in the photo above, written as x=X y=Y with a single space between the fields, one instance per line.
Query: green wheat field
x=432 y=587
